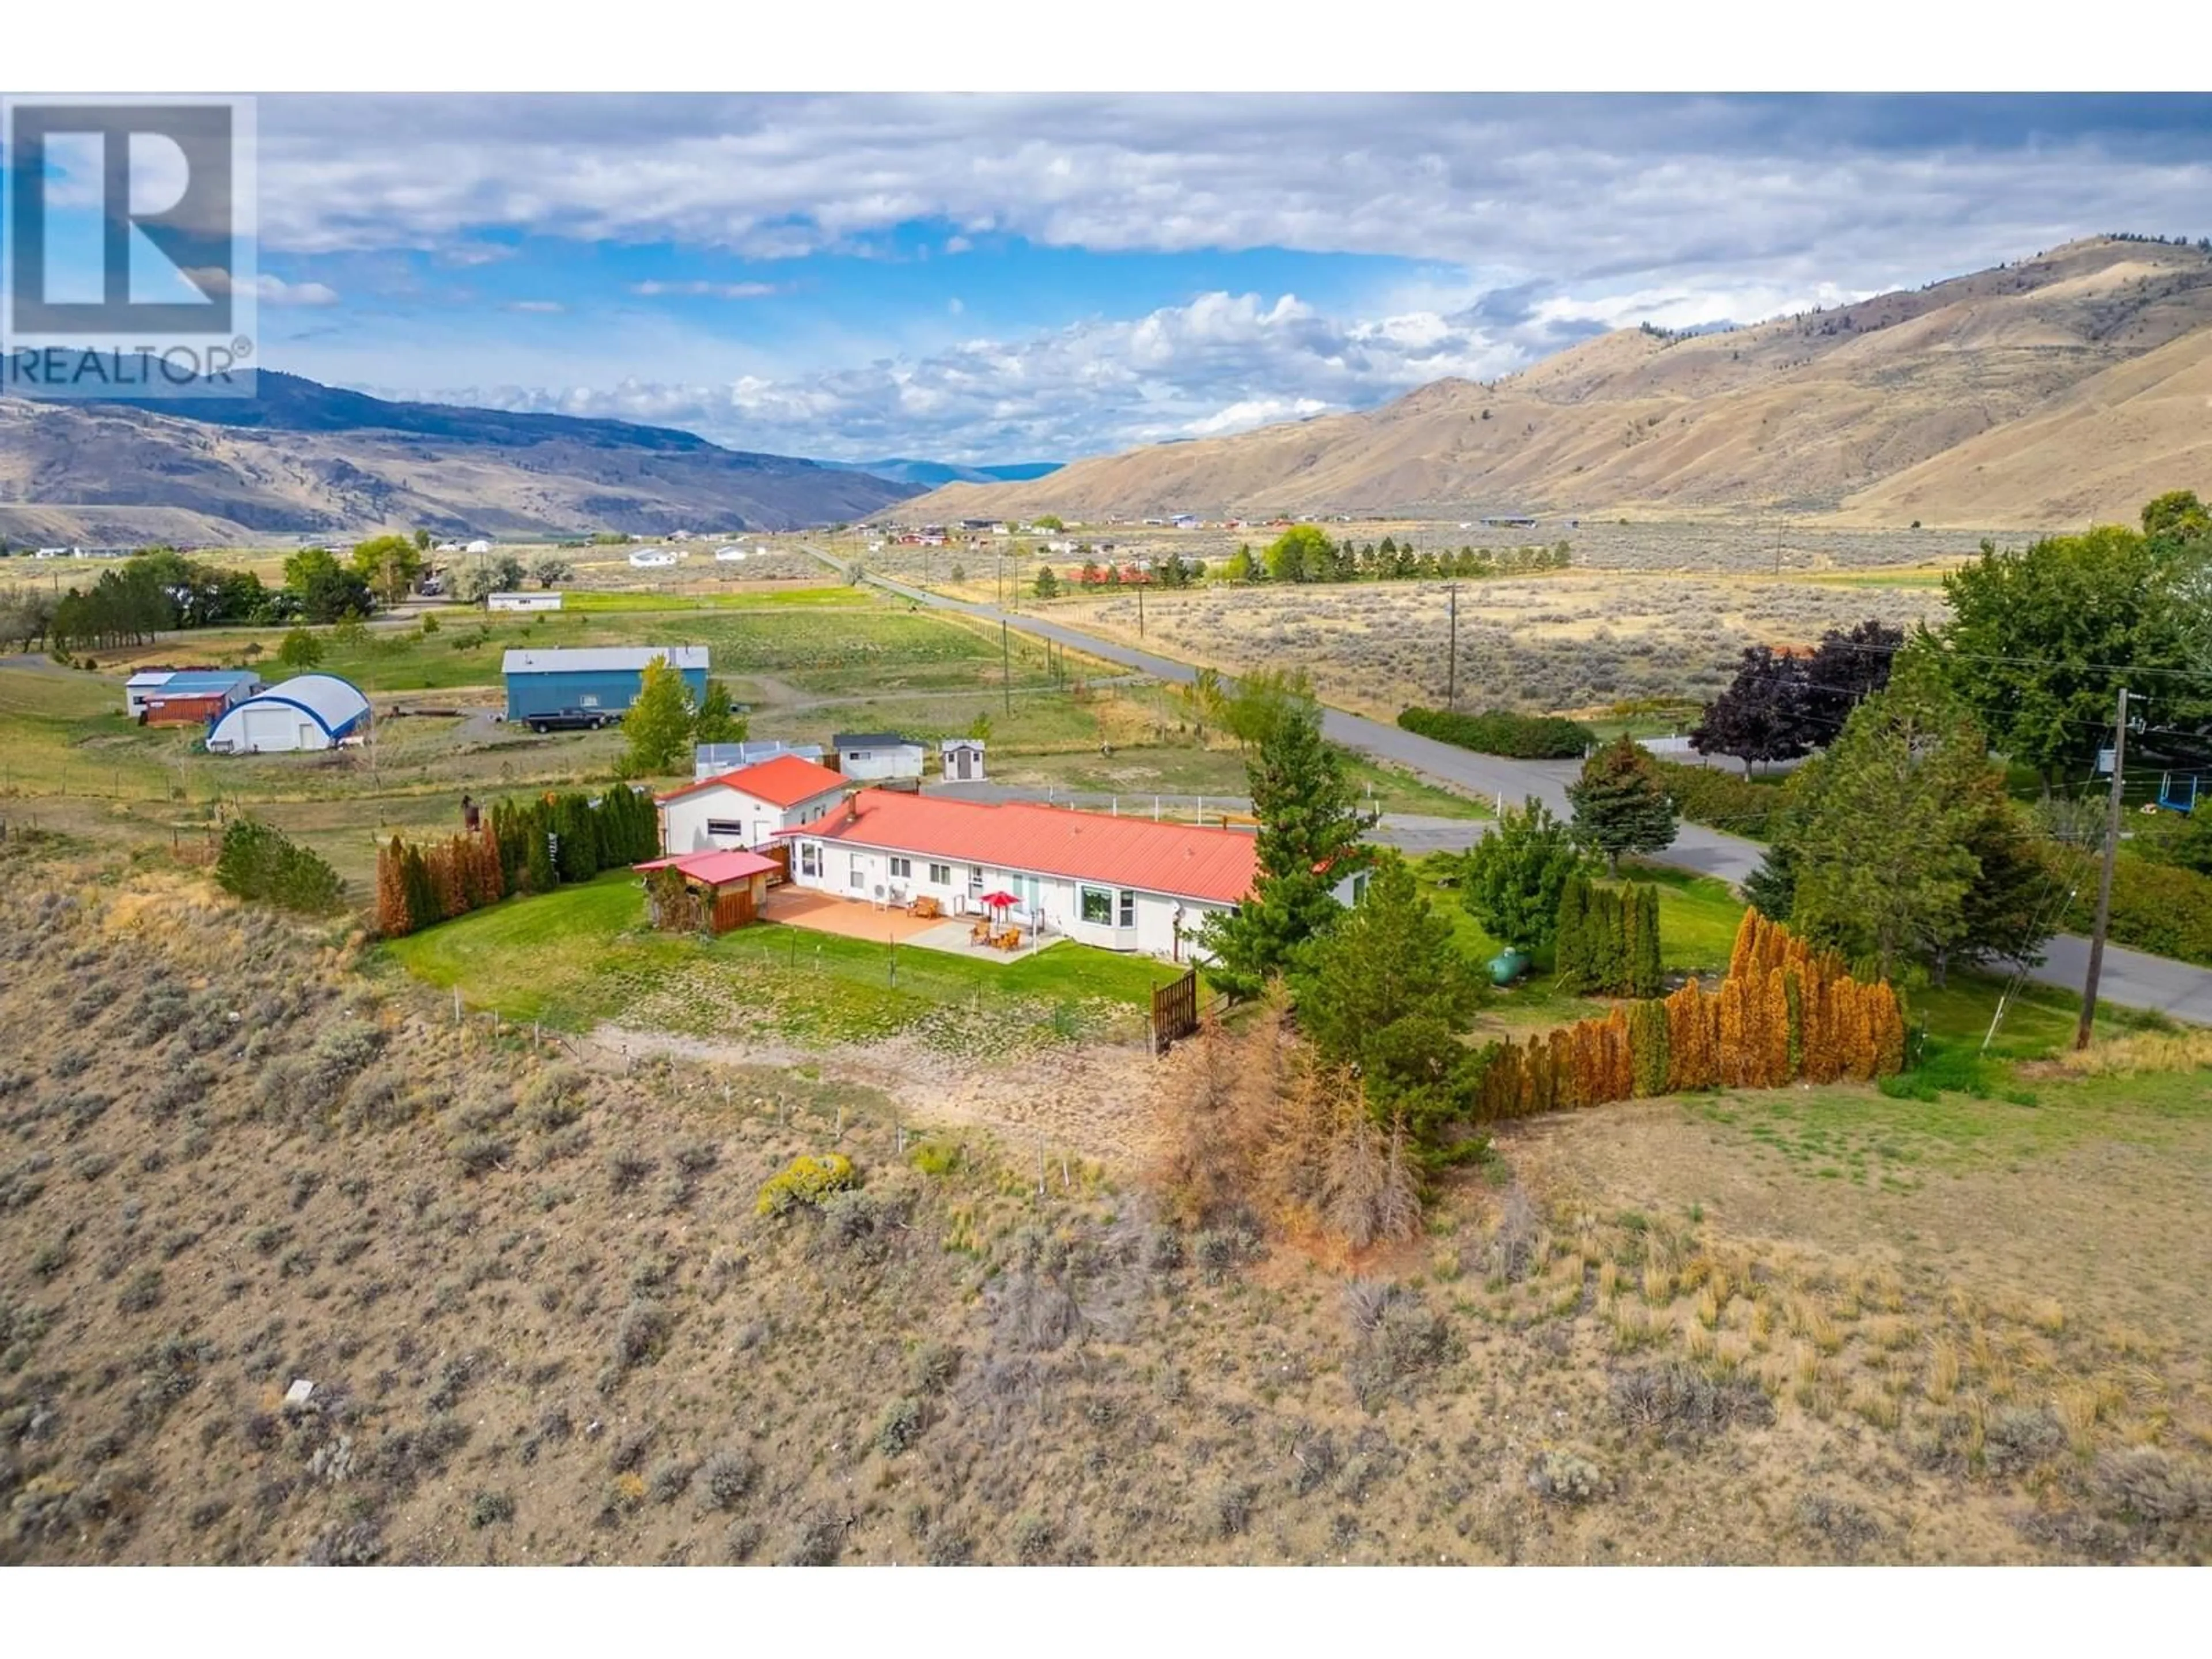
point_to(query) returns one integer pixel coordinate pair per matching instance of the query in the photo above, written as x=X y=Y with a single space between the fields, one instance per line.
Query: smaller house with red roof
x=1124 y=884
x=747 y=807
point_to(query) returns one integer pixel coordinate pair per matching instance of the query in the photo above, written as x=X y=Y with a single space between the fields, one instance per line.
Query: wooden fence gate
x=1174 y=1010
x=777 y=853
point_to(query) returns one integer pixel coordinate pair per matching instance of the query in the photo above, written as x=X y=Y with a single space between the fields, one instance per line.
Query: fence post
x=457 y=1005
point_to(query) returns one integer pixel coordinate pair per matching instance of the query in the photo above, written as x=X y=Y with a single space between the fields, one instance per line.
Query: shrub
x=933 y=1367
x=805 y=1180
x=725 y=1477
x=1401 y=1337
x=262 y=864
x=1720 y=800
x=1566 y=1478
x=1500 y=732
x=899 y=1427
x=1032 y=1538
x=488 y=1508
x=640 y=1333
x=2160 y=907
x=2147 y=1485
x=1682 y=1403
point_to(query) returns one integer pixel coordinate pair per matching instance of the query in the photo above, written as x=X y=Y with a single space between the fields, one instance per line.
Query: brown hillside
x=1894 y=408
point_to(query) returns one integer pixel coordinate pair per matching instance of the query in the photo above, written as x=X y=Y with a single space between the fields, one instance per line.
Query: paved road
x=2132 y=979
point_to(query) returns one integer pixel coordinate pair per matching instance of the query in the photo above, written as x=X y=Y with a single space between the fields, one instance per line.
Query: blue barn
x=591 y=683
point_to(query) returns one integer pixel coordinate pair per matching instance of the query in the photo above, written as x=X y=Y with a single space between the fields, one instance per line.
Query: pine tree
x=1649 y=1027
x=1620 y=804
x=1608 y=954
x=1309 y=840
x=715 y=719
x=539 y=874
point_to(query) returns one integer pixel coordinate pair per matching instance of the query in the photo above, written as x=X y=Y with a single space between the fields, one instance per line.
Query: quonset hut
x=312 y=711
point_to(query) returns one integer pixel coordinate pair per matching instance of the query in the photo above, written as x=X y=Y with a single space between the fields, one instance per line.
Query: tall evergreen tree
x=1309 y=840
x=1882 y=854
x=715 y=720
x=1620 y=804
x=1385 y=992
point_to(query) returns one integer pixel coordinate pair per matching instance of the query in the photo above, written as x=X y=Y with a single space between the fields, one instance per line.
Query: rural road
x=2133 y=979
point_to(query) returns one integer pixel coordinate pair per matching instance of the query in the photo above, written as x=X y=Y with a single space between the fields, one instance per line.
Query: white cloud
x=539 y=307
x=1222 y=363
x=270 y=290
x=703 y=290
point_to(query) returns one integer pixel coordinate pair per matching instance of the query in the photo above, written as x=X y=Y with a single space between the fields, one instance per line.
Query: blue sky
x=1009 y=278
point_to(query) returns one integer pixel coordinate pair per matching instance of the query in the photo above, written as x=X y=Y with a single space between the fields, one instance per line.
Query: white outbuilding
x=311 y=711
x=539 y=601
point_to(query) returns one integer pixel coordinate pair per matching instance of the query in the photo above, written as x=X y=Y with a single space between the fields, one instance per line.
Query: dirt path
x=1091 y=1100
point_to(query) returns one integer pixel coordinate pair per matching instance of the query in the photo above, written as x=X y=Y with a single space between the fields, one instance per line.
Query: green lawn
x=582 y=955
x=1871 y=1138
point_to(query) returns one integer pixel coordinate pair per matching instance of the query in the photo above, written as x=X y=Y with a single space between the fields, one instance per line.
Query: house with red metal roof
x=747 y=807
x=1126 y=883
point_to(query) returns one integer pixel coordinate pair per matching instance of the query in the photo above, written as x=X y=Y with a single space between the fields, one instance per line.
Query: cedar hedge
x=1500 y=732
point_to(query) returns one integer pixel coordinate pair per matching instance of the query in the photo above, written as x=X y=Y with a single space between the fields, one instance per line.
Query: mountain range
x=2046 y=393
x=306 y=459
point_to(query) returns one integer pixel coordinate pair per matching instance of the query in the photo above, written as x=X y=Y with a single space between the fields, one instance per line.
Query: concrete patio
x=826 y=913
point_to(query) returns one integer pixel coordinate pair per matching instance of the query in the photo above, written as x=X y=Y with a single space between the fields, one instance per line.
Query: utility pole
x=1006 y=666
x=1140 y=611
x=2104 y=879
x=1451 y=658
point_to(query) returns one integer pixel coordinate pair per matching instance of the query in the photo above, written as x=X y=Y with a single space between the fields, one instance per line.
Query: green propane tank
x=1507 y=966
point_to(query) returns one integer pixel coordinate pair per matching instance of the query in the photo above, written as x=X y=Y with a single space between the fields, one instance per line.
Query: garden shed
x=728 y=887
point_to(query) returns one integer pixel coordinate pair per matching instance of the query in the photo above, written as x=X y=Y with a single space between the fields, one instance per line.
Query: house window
x=940 y=875
x=975 y=878
x=810 y=858
x=858 y=880
x=1359 y=887
x=902 y=868
x=1128 y=909
x=587 y=700
x=1099 y=906
x=729 y=827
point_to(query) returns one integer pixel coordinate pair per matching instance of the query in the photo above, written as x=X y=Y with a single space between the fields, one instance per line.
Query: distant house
x=311 y=711
x=592 y=679
x=748 y=806
x=651 y=558
x=1124 y=884
x=1184 y=522
x=522 y=602
x=729 y=554
x=961 y=759
x=479 y=546
x=166 y=696
x=874 y=756
x=711 y=760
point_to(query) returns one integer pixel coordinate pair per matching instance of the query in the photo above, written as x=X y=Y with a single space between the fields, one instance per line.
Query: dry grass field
x=1570 y=641
x=543 y=1322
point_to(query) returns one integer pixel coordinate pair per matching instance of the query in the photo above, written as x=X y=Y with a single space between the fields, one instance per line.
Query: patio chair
x=980 y=932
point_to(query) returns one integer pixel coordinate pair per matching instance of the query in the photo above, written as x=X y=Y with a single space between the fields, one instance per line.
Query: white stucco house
x=876 y=756
x=747 y=807
x=1123 y=883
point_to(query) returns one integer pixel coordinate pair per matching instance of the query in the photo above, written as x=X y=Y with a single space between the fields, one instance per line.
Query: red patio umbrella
x=999 y=901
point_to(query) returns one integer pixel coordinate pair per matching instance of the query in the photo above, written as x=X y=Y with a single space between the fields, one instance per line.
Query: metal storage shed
x=312 y=711
x=595 y=679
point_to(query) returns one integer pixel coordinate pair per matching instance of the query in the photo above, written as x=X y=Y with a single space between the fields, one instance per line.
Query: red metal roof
x=785 y=780
x=1217 y=866
x=715 y=868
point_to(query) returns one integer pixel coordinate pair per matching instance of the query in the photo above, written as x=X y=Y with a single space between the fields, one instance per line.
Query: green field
x=583 y=954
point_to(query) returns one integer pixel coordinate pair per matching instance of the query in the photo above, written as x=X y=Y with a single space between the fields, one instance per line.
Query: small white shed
x=961 y=759
x=522 y=602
